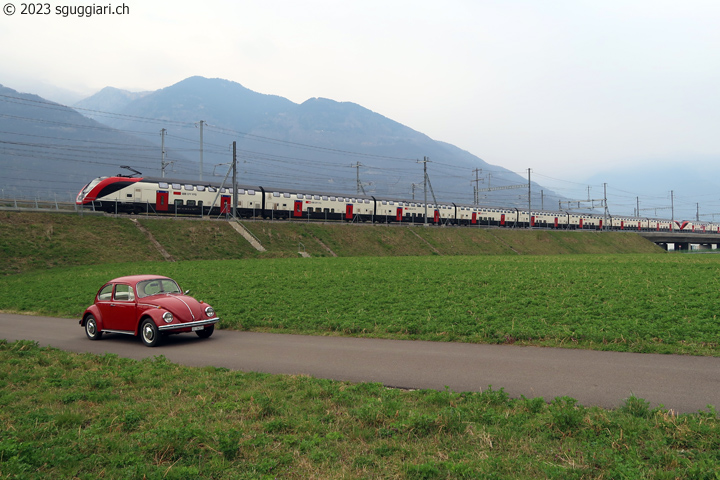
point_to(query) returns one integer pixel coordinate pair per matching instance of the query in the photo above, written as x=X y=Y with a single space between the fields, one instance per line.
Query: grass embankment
x=69 y=416
x=30 y=241
x=637 y=303
x=379 y=241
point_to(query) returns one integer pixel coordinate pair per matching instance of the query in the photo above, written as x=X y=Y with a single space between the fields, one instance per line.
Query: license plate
x=195 y=329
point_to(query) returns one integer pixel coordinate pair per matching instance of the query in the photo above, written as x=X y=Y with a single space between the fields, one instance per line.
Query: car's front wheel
x=149 y=333
x=206 y=332
x=91 y=328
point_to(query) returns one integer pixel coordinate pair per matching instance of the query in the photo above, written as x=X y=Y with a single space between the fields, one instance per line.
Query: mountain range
x=47 y=148
x=319 y=144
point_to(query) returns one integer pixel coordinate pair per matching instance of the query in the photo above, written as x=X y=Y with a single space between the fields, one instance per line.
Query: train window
x=200 y=203
x=326 y=210
x=300 y=196
x=176 y=186
x=178 y=203
x=129 y=195
x=191 y=203
x=230 y=190
x=325 y=198
x=201 y=188
x=189 y=188
x=241 y=191
x=223 y=190
x=332 y=199
x=276 y=194
x=163 y=185
x=316 y=197
x=286 y=195
x=391 y=203
x=310 y=209
x=251 y=192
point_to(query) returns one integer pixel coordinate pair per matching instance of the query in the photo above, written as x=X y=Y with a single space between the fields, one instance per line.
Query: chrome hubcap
x=91 y=327
x=148 y=333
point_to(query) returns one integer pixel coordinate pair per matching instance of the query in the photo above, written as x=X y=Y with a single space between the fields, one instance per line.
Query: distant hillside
x=313 y=144
x=108 y=99
x=47 y=149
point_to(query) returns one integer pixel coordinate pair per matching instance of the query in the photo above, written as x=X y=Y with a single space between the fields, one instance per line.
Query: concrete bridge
x=683 y=240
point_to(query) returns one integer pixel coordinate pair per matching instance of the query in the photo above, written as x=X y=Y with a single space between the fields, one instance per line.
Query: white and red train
x=122 y=194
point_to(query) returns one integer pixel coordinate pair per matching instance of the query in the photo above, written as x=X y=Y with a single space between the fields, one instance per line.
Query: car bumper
x=181 y=326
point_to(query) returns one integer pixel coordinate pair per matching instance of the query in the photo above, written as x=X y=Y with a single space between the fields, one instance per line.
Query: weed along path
x=684 y=384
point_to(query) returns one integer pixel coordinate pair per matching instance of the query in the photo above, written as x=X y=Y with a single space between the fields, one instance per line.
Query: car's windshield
x=157 y=286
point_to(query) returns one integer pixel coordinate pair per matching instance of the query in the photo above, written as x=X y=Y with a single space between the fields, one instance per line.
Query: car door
x=123 y=307
x=103 y=302
x=117 y=306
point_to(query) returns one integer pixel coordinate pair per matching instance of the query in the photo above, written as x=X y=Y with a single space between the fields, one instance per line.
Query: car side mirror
x=186 y=292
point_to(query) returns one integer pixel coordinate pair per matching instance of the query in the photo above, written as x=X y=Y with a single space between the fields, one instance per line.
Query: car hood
x=183 y=307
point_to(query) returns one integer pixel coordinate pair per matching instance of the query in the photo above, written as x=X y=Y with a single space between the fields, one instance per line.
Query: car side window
x=124 y=293
x=105 y=293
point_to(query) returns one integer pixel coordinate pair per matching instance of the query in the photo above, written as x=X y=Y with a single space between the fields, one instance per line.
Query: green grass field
x=637 y=303
x=70 y=416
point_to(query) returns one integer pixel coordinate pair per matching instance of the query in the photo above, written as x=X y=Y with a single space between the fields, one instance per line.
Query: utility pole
x=202 y=122
x=638 y=206
x=476 y=196
x=697 y=214
x=413 y=185
x=529 y=202
x=672 y=207
x=425 y=161
x=359 y=185
x=606 y=207
x=234 y=180
x=162 y=148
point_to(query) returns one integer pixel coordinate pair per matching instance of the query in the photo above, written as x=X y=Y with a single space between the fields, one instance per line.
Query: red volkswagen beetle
x=147 y=305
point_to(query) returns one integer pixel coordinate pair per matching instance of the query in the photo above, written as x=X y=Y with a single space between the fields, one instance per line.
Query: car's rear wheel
x=206 y=332
x=149 y=333
x=91 y=328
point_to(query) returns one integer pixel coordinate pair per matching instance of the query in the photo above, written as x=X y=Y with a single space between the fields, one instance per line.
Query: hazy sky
x=567 y=88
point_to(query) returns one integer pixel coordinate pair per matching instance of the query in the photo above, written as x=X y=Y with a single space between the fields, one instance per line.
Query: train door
x=600 y=224
x=581 y=223
x=474 y=218
x=639 y=226
x=297 y=212
x=532 y=220
x=398 y=215
x=436 y=218
x=225 y=204
x=556 y=222
x=161 y=200
x=349 y=211
x=502 y=220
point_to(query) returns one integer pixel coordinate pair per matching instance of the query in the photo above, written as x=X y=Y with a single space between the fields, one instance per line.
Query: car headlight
x=209 y=312
x=168 y=317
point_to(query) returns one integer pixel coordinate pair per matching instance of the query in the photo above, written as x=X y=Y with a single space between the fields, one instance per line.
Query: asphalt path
x=684 y=384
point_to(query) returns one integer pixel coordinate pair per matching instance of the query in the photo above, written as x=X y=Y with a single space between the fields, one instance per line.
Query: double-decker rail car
x=128 y=194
